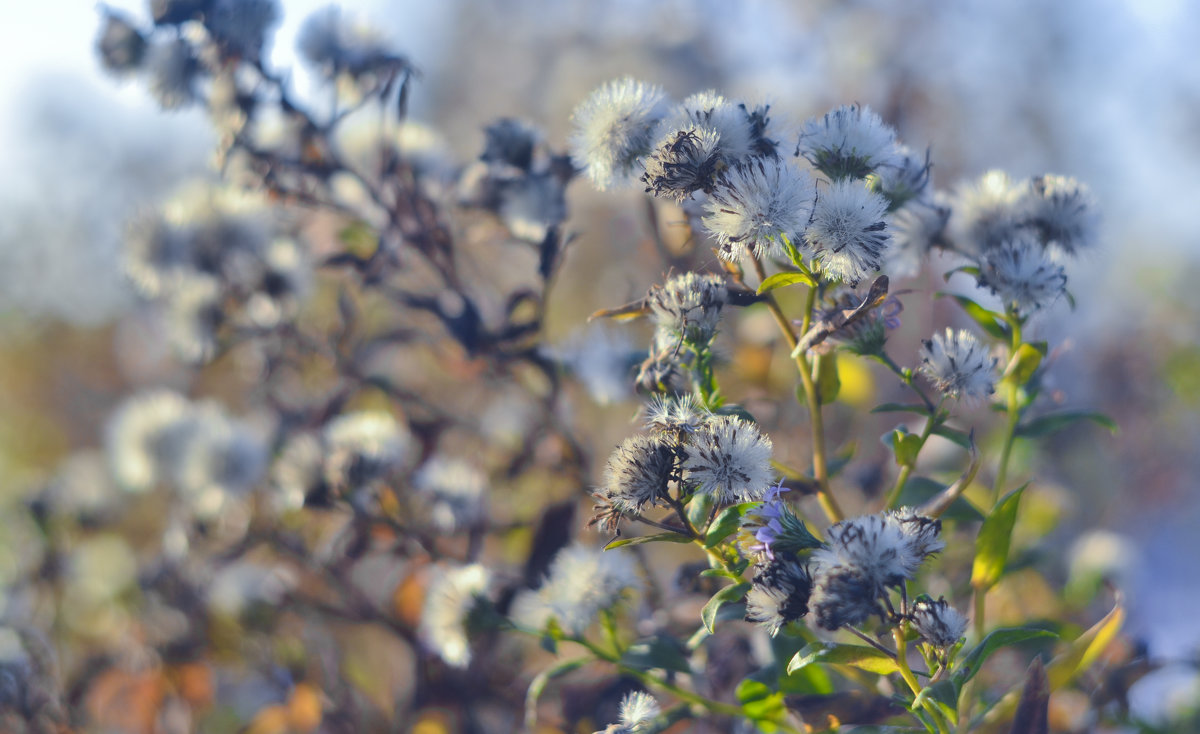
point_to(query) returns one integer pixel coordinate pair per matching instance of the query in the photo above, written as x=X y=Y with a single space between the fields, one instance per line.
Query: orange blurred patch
x=127 y=702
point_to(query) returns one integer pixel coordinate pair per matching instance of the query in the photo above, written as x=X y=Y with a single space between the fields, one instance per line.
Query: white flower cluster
x=210 y=259
x=162 y=439
x=451 y=597
x=582 y=582
x=959 y=366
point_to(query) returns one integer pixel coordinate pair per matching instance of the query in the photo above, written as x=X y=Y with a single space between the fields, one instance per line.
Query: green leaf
x=905 y=445
x=995 y=536
x=919 y=490
x=657 y=652
x=779 y=280
x=1023 y=364
x=990 y=321
x=708 y=615
x=699 y=509
x=538 y=684
x=953 y=434
x=970 y=663
x=657 y=538
x=726 y=522
x=825 y=371
x=832 y=653
x=968 y=269
x=1055 y=422
x=900 y=408
x=759 y=702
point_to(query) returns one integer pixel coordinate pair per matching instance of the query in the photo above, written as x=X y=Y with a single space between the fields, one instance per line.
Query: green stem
x=898 y=634
x=906 y=377
x=930 y=423
x=820 y=465
x=1012 y=396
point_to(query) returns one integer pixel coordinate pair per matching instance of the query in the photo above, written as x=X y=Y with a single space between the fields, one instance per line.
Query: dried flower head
x=171 y=72
x=582 y=581
x=638 y=472
x=848 y=232
x=120 y=45
x=920 y=532
x=678 y=416
x=687 y=160
x=1022 y=275
x=335 y=46
x=240 y=27
x=1062 y=211
x=729 y=459
x=755 y=203
x=614 y=129
x=871 y=546
x=959 y=365
x=848 y=142
x=688 y=306
x=939 y=623
x=986 y=212
x=453 y=594
x=510 y=145
x=779 y=593
x=842 y=597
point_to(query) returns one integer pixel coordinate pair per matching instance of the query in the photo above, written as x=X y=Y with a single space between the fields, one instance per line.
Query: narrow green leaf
x=657 y=652
x=995 y=536
x=968 y=269
x=1023 y=364
x=959 y=437
x=920 y=490
x=831 y=653
x=699 y=509
x=990 y=321
x=901 y=408
x=726 y=522
x=779 y=280
x=539 y=682
x=1055 y=422
x=657 y=538
x=970 y=663
x=708 y=615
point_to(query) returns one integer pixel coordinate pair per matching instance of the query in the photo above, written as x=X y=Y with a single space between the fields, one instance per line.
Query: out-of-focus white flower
x=916 y=228
x=1062 y=211
x=637 y=709
x=959 y=365
x=848 y=232
x=334 y=46
x=729 y=459
x=451 y=597
x=986 y=212
x=757 y=202
x=193 y=315
x=241 y=26
x=285 y=282
x=939 y=623
x=1022 y=275
x=582 y=582
x=171 y=72
x=677 y=415
x=363 y=447
x=145 y=438
x=222 y=458
x=848 y=142
x=241 y=585
x=906 y=177
x=120 y=45
x=456 y=492
x=614 y=128
x=299 y=471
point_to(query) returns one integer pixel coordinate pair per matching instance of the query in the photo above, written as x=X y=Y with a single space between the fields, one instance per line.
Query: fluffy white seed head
x=364 y=446
x=614 y=128
x=145 y=438
x=1021 y=273
x=709 y=110
x=685 y=161
x=848 y=232
x=637 y=709
x=638 y=472
x=916 y=228
x=689 y=306
x=779 y=594
x=848 y=142
x=456 y=492
x=729 y=459
x=939 y=623
x=959 y=365
x=757 y=202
